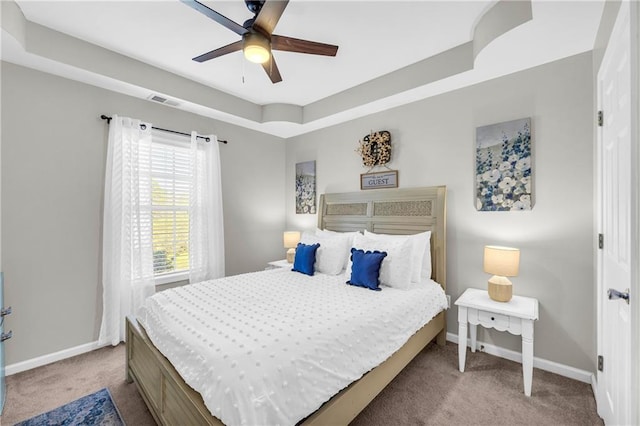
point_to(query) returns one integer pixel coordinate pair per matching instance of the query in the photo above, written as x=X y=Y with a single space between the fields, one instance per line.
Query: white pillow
x=328 y=233
x=426 y=260
x=420 y=252
x=396 y=266
x=331 y=256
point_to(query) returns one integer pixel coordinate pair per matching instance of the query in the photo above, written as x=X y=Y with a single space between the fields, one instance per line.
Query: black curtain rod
x=206 y=138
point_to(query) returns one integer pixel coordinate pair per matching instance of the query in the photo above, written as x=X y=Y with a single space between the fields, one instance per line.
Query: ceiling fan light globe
x=256 y=48
x=256 y=54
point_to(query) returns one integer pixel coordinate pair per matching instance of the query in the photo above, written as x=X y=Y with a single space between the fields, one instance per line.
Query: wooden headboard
x=392 y=211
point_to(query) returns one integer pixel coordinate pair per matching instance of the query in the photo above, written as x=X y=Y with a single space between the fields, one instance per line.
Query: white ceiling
x=376 y=38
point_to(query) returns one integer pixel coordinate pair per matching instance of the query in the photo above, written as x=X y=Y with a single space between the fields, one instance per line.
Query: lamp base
x=500 y=289
x=291 y=254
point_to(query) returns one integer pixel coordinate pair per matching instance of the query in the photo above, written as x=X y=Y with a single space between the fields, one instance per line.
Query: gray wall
x=53 y=157
x=607 y=21
x=53 y=152
x=433 y=144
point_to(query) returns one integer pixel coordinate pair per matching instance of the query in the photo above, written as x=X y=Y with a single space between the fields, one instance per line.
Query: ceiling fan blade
x=219 y=18
x=271 y=68
x=291 y=44
x=229 y=48
x=269 y=15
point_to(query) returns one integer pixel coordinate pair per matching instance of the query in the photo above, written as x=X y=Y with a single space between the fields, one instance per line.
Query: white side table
x=515 y=316
x=279 y=264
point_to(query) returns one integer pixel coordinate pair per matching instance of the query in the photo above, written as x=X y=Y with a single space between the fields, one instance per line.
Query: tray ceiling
x=387 y=51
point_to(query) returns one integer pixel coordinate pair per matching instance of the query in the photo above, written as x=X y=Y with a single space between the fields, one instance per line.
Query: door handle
x=615 y=294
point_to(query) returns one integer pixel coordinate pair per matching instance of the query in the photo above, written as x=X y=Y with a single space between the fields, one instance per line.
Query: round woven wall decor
x=375 y=148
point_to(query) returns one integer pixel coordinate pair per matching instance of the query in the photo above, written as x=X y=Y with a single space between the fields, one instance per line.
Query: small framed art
x=306 y=187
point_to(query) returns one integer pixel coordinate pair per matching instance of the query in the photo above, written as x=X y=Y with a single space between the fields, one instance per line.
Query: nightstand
x=279 y=264
x=515 y=316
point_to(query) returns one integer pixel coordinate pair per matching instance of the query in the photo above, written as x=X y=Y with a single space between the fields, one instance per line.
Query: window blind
x=170 y=180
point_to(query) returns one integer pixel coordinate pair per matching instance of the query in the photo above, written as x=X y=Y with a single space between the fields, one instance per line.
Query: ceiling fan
x=258 y=39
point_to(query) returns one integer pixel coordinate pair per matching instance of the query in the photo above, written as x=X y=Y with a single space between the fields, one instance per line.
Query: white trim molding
x=29 y=364
x=542 y=364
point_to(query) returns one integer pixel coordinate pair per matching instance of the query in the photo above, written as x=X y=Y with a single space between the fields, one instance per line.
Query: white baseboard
x=48 y=359
x=542 y=364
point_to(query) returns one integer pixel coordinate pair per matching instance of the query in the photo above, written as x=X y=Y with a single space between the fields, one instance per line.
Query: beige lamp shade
x=501 y=262
x=291 y=240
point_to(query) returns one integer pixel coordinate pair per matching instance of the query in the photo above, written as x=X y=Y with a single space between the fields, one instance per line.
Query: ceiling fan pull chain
x=242 y=60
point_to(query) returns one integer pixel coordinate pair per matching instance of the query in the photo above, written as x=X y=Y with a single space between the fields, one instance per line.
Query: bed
x=400 y=211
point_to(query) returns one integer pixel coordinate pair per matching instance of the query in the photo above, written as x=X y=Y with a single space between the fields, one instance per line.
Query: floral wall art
x=503 y=166
x=306 y=187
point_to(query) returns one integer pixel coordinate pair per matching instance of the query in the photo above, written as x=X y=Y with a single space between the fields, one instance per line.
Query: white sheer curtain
x=206 y=228
x=127 y=256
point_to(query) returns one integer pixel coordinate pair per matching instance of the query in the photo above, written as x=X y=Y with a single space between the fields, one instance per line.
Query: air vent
x=161 y=100
x=157 y=98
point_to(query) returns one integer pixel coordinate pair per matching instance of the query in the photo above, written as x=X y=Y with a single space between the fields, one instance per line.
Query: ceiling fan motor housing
x=254 y=6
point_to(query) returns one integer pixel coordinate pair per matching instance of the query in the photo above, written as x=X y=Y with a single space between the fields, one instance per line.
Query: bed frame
x=389 y=211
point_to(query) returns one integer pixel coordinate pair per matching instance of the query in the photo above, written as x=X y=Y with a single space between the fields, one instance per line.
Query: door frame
x=634 y=22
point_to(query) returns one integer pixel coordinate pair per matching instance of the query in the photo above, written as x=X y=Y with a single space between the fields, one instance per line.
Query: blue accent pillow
x=305 y=258
x=365 y=268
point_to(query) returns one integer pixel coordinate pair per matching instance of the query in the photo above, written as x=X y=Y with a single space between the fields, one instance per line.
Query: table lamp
x=502 y=262
x=291 y=239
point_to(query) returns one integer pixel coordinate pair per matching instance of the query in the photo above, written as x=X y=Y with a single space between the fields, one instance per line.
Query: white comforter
x=269 y=348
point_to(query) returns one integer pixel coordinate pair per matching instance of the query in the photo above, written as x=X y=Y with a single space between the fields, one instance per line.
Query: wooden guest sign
x=376 y=180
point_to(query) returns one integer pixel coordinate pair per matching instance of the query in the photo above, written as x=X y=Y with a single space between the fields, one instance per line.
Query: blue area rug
x=95 y=409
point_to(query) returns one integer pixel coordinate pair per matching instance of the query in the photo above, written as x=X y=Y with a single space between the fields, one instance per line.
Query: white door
x=614 y=202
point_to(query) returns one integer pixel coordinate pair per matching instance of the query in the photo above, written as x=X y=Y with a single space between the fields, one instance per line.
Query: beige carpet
x=430 y=391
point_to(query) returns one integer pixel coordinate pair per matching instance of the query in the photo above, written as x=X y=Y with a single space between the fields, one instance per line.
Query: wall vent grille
x=161 y=100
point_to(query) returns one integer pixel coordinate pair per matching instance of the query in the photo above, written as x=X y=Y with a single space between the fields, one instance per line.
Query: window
x=162 y=219
x=170 y=178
